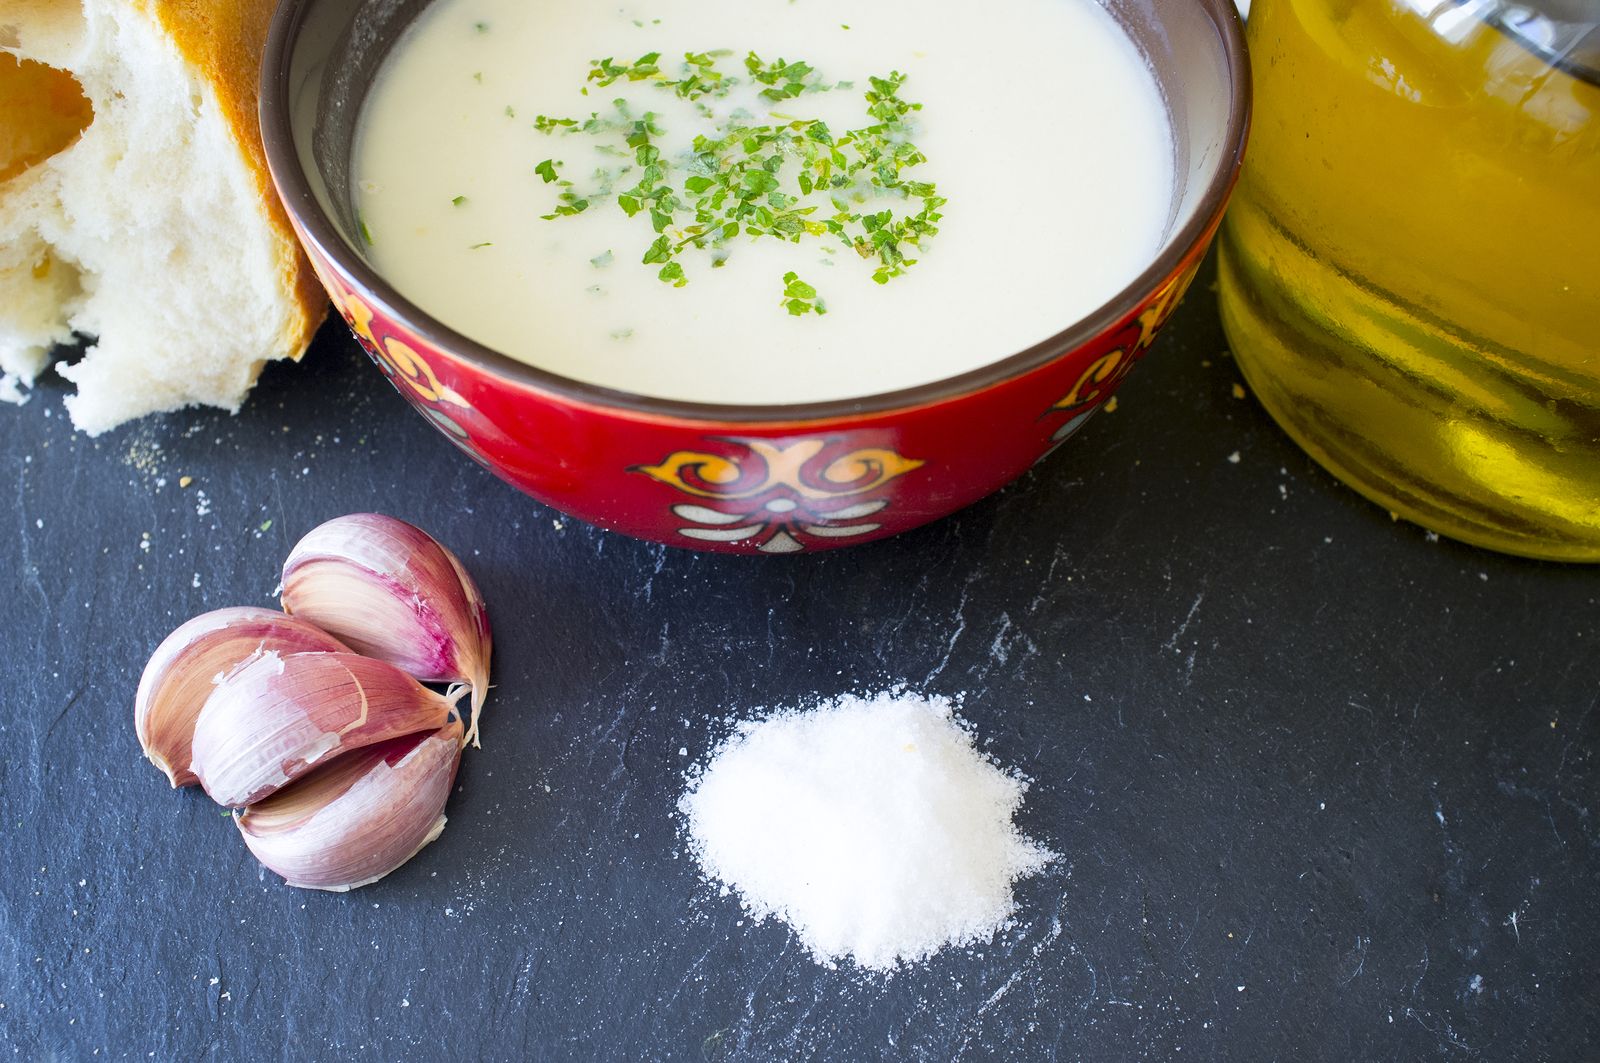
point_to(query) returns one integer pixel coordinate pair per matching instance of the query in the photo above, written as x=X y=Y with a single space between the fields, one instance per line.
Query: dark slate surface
x=1325 y=787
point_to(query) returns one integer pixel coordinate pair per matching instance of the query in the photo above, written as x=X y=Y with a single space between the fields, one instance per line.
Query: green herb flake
x=800 y=298
x=486 y=243
x=784 y=177
x=547 y=170
x=660 y=251
x=459 y=201
x=481 y=27
x=571 y=204
x=547 y=125
x=361 y=226
x=602 y=260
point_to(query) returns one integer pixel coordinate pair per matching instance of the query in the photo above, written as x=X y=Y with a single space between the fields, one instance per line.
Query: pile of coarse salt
x=872 y=826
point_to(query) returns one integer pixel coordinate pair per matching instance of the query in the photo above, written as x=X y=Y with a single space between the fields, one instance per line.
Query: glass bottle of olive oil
x=1410 y=270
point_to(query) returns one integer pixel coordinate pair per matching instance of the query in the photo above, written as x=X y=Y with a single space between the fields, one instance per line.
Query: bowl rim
x=319 y=230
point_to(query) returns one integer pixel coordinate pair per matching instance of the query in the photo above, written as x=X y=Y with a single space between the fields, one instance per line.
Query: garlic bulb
x=391 y=591
x=354 y=820
x=275 y=717
x=182 y=671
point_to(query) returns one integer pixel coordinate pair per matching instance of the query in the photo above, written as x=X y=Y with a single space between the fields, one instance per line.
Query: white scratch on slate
x=1172 y=643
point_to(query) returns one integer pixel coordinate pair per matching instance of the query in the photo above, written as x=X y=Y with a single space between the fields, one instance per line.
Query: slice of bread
x=136 y=209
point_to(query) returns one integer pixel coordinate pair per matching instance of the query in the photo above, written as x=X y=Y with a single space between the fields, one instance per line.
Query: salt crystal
x=872 y=826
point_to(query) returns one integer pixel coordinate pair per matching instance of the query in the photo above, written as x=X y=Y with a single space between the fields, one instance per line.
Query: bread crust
x=46 y=112
x=224 y=40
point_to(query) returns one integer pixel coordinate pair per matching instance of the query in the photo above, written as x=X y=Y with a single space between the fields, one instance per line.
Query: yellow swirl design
x=413 y=370
x=359 y=316
x=771 y=465
x=1104 y=370
x=1155 y=315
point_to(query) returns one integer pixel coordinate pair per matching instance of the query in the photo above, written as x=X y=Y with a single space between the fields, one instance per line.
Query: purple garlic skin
x=357 y=818
x=184 y=669
x=389 y=590
x=278 y=716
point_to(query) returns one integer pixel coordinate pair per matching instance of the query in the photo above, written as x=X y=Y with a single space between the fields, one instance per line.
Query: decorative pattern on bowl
x=755 y=487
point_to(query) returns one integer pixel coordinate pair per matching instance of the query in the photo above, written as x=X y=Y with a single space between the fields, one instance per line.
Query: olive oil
x=1411 y=266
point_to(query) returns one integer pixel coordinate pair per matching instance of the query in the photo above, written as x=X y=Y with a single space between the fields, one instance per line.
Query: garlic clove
x=185 y=667
x=358 y=817
x=392 y=591
x=275 y=717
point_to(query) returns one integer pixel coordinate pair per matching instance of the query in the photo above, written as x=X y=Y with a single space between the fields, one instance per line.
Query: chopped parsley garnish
x=549 y=125
x=789 y=178
x=800 y=298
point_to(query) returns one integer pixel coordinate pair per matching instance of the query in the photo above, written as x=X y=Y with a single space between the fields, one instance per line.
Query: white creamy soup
x=763 y=201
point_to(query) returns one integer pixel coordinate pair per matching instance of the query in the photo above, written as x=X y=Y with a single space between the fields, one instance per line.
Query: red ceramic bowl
x=745 y=479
